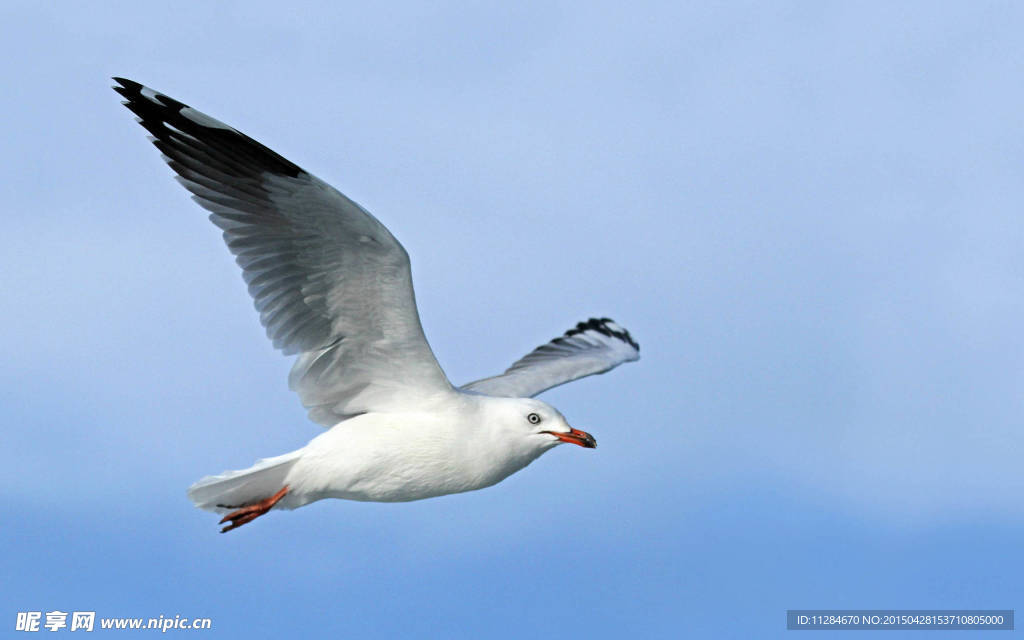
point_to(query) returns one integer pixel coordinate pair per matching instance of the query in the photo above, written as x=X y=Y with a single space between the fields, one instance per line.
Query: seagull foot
x=250 y=512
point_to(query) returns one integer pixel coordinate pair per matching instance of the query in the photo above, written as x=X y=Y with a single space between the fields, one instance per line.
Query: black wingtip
x=125 y=86
x=171 y=120
x=600 y=325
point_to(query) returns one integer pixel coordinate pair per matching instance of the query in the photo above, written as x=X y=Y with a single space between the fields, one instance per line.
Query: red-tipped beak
x=576 y=436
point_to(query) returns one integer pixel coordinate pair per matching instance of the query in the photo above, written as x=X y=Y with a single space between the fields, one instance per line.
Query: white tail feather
x=238 y=488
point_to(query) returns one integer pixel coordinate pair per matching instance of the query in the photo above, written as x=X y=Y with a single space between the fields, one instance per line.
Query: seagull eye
x=533 y=418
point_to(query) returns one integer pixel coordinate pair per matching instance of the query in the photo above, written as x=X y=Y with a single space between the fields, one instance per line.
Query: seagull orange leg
x=248 y=513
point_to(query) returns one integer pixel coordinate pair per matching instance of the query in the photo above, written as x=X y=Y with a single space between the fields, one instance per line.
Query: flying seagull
x=333 y=286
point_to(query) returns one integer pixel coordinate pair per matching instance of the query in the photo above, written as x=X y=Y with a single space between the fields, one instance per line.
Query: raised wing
x=329 y=281
x=595 y=346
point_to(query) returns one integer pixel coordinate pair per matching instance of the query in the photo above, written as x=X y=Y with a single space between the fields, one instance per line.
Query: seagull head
x=543 y=425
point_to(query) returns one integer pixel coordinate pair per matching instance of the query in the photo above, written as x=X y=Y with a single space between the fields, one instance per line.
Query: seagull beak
x=576 y=436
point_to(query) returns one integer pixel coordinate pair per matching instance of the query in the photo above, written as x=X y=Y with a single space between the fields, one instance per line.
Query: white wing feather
x=329 y=281
x=595 y=346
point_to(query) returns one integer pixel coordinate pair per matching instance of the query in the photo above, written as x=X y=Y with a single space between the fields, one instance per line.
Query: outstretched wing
x=595 y=346
x=329 y=281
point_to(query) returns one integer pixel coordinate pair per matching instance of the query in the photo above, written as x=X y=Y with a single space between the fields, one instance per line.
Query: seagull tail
x=233 y=489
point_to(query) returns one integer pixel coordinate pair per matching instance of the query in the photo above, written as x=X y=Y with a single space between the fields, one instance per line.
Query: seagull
x=333 y=287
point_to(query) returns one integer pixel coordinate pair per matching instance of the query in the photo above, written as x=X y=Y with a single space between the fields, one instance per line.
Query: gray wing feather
x=595 y=346
x=329 y=281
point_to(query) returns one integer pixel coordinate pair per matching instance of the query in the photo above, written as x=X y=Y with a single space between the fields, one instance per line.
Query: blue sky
x=808 y=214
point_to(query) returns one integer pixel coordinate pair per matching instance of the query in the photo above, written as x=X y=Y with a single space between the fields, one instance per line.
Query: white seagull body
x=332 y=285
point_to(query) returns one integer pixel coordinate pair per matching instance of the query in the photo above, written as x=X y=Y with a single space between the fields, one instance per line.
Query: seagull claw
x=250 y=512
